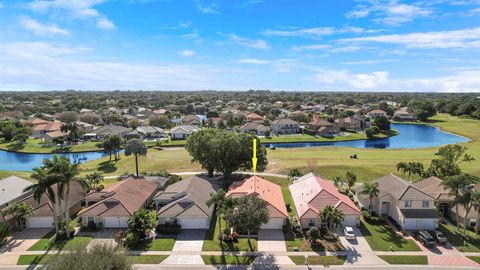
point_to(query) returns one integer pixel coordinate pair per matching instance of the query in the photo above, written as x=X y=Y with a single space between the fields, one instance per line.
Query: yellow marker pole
x=254 y=158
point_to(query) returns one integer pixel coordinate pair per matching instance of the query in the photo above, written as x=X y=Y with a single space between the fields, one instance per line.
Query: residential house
x=113 y=206
x=161 y=112
x=320 y=107
x=182 y=132
x=312 y=193
x=376 y=113
x=267 y=191
x=352 y=123
x=433 y=187
x=147 y=133
x=84 y=127
x=85 y=111
x=254 y=127
x=42 y=216
x=278 y=104
x=192 y=120
x=39 y=130
x=185 y=203
x=253 y=117
x=409 y=206
x=285 y=126
x=322 y=127
x=54 y=136
x=403 y=115
x=11 y=190
x=101 y=132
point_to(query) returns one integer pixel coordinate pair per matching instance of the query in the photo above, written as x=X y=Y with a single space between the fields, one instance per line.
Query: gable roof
x=320 y=122
x=122 y=198
x=191 y=192
x=110 y=129
x=306 y=188
x=254 y=116
x=255 y=126
x=11 y=188
x=184 y=129
x=433 y=187
x=284 y=121
x=266 y=190
x=395 y=186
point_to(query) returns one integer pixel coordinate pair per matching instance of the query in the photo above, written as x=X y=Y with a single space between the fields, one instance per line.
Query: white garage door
x=194 y=223
x=350 y=221
x=274 y=223
x=115 y=222
x=419 y=224
x=40 y=222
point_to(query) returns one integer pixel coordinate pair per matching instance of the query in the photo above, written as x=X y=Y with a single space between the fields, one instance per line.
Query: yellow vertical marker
x=254 y=158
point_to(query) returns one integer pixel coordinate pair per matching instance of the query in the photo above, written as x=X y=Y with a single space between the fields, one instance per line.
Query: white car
x=349 y=233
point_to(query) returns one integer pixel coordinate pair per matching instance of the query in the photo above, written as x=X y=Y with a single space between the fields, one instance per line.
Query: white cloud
x=105 y=24
x=314 y=47
x=42 y=66
x=42 y=29
x=187 y=53
x=76 y=9
x=465 y=38
x=343 y=78
x=300 y=32
x=253 y=61
x=248 y=42
x=208 y=9
x=390 y=13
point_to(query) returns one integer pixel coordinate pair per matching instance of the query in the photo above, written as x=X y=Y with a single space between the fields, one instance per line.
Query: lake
x=411 y=136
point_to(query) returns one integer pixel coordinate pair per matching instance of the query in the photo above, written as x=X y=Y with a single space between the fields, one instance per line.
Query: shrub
x=4 y=231
x=366 y=215
x=313 y=234
x=131 y=240
x=96 y=257
x=168 y=229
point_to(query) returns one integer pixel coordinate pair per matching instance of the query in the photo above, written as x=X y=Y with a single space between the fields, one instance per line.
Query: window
x=311 y=222
x=90 y=220
x=408 y=204
x=425 y=204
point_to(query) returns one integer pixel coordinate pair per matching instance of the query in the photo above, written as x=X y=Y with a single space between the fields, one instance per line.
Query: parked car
x=349 y=233
x=425 y=238
x=439 y=237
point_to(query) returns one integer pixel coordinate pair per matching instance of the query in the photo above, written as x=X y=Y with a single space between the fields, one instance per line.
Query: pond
x=411 y=136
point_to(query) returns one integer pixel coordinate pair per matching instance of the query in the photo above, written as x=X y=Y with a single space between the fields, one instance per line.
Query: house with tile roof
x=184 y=203
x=376 y=113
x=253 y=117
x=322 y=127
x=312 y=193
x=12 y=191
x=182 y=132
x=285 y=126
x=113 y=206
x=104 y=131
x=254 y=127
x=269 y=192
x=408 y=205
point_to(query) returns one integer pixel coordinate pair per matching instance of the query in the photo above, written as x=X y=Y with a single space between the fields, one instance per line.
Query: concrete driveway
x=103 y=237
x=271 y=241
x=187 y=241
x=21 y=241
x=358 y=250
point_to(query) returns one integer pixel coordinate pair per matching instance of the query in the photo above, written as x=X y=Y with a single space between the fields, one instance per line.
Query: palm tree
x=108 y=146
x=371 y=189
x=64 y=128
x=116 y=142
x=456 y=185
x=401 y=167
x=332 y=216
x=44 y=186
x=73 y=128
x=467 y=200
x=338 y=182
x=218 y=198
x=350 y=179
x=18 y=211
x=135 y=147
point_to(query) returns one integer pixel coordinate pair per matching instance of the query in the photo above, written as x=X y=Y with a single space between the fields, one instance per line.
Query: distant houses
x=182 y=132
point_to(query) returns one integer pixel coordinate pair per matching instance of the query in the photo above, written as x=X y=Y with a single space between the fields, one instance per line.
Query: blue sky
x=323 y=45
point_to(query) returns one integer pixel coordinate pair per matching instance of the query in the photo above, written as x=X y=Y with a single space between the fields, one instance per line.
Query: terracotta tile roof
x=36 y=121
x=48 y=127
x=377 y=111
x=266 y=190
x=122 y=198
x=254 y=117
x=311 y=193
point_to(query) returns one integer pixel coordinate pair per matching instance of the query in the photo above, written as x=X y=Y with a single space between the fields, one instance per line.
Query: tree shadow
x=107 y=166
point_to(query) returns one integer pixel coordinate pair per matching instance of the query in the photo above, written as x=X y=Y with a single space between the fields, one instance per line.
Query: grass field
x=405 y=259
x=159 y=244
x=36 y=146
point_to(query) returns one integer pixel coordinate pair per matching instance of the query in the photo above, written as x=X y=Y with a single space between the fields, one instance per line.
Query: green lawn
x=36 y=146
x=211 y=242
x=44 y=243
x=468 y=242
x=32 y=259
x=475 y=259
x=319 y=260
x=292 y=211
x=147 y=259
x=405 y=259
x=381 y=237
x=228 y=260
x=159 y=244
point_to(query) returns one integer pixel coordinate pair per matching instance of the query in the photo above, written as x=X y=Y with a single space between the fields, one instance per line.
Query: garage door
x=115 y=222
x=274 y=223
x=419 y=224
x=40 y=222
x=350 y=221
x=194 y=223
